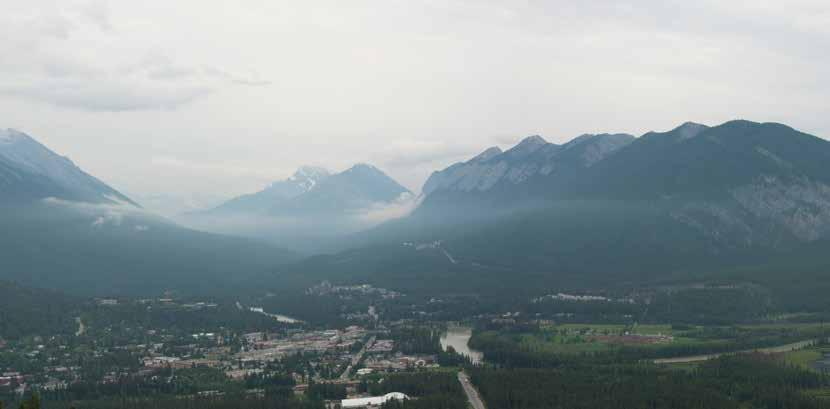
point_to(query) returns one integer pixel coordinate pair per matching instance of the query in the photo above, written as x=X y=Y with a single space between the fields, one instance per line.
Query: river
x=279 y=317
x=458 y=337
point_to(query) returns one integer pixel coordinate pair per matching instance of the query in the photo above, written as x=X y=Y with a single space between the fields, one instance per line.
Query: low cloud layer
x=382 y=212
x=302 y=233
x=107 y=215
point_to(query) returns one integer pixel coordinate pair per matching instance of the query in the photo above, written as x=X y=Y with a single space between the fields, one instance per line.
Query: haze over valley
x=414 y=204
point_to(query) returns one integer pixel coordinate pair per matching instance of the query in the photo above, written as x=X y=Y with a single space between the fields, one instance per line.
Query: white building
x=372 y=402
x=365 y=371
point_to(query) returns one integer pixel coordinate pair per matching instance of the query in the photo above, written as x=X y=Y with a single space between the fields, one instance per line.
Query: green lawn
x=579 y=338
x=806 y=357
x=562 y=345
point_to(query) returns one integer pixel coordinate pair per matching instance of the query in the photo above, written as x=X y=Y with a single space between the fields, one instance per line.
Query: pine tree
x=31 y=403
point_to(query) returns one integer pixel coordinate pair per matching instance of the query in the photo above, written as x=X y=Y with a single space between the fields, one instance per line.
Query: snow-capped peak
x=308 y=176
x=309 y=172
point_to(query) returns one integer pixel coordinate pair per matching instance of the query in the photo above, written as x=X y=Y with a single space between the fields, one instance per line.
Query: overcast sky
x=215 y=98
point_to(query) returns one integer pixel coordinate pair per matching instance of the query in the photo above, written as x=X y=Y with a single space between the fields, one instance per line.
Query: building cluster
x=580 y=298
x=326 y=288
x=260 y=349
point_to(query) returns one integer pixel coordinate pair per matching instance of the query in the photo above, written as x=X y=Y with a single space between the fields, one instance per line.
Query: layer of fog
x=307 y=234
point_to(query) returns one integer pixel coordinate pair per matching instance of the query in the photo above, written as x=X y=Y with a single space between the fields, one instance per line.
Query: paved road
x=356 y=359
x=81 y=327
x=472 y=394
x=772 y=350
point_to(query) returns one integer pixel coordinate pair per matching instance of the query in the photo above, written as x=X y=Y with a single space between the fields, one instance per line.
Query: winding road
x=771 y=350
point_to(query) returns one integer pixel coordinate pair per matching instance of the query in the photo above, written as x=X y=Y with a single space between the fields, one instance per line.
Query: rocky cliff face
x=533 y=157
x=801 y=206
x=770 y=211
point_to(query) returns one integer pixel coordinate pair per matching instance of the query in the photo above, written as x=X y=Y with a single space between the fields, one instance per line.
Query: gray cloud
x=101 y=215
x=79 y=58
x=105 y=95
x=236 y=94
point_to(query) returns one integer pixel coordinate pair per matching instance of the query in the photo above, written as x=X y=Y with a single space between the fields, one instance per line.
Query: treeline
x=26 y=311
x=599 y=312
x=504 y=348
x=326 y=391
x=710 y=306
x=320 y=310
x=190 y=402
x=166 y=382
x=756 y=381
x=714 y=305
x=430 y=390
x=416 y=340
x=224 y=315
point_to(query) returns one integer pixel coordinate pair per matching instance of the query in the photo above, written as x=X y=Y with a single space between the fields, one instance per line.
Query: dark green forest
x=745 y=381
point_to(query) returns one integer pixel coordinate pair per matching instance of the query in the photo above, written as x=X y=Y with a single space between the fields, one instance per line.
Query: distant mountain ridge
x=65 y=229
x=303 y=180
x=350 y=191
x=313 y=190
x=29 y=170
x=533 y=157
x=309 y=210
x=610 y=209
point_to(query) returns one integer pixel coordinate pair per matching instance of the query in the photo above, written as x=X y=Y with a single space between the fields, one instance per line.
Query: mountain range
x=270 y=198
x=741 y=199
x=65 y=229
x=308 y=208
x=313 y=191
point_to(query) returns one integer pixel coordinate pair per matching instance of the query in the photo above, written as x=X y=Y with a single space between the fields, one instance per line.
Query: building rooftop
x=372 y=401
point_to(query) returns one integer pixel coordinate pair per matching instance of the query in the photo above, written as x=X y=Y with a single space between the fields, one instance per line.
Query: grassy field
x=561 y=344
x=581 y=338
x=787 y=325
x=805 y=358
x=664 y=329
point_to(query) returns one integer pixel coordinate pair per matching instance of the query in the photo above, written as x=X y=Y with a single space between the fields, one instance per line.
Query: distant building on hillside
x=372 y=402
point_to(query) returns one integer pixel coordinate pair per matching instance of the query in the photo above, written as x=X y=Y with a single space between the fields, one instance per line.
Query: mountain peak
x=12 y=140
x=533 y=140
x=306 y=177
x=67 y=180
x=310 y=172
x=690 y=130
x=603 y=138
x=487 y=154
x=527 y=146
x=364 y=168
x=10 y=135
